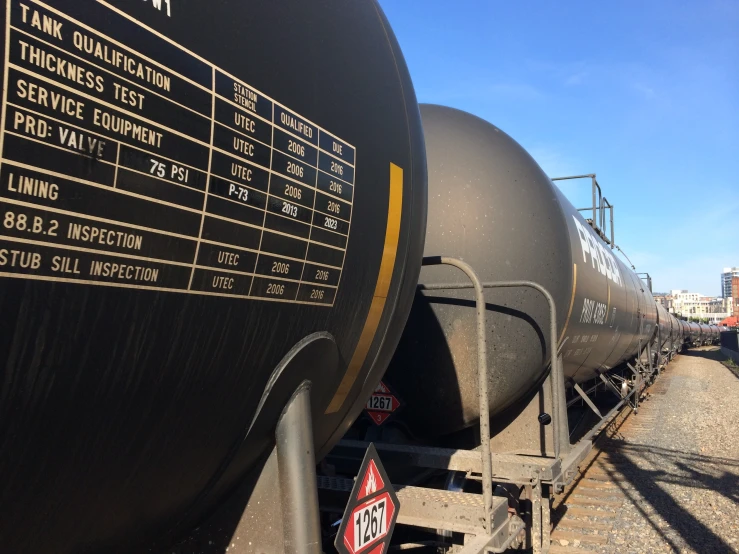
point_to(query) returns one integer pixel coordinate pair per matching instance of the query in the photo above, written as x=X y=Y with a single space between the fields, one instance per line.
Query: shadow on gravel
x=675 y=468
x=713 y=353
x=687 y=469
x=716 y=355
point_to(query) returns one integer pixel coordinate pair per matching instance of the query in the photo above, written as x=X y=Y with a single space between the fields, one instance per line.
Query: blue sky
x=644 y=94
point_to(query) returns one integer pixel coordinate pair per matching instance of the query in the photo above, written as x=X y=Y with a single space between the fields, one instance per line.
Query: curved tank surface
x=491 y=205
x=664 y=333
x=684 y=331
x=694 y=332
x=225 y=184
x=676 y=336
x=703 y=336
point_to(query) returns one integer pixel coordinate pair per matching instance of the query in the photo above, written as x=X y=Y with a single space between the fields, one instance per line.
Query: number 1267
x=369 y=524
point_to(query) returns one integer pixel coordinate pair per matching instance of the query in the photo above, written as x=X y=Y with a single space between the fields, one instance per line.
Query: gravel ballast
x=675 y=467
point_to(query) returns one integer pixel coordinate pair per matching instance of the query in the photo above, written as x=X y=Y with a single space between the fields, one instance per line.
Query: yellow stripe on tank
x=389 y=254
x=572 y=302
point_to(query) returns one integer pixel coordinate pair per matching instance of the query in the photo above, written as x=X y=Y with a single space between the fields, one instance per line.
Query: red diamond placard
x=370 y=523
x=382 y=404
x=372 y=481
x=370 y=514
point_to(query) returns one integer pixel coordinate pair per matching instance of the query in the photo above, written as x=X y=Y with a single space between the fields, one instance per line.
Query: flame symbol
x=371 y=486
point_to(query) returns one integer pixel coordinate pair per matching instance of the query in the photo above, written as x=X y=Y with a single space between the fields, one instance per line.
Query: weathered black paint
x=491 y=205
x=124 y=413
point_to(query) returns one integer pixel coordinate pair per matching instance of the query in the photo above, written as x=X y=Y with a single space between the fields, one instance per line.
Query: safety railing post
x=559 y=409
x=482 y=378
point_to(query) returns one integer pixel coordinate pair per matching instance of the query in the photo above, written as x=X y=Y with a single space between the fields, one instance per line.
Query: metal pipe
x=608 y=416
x=613 y=231
x=600 y=196
x=599 y=202
x=588 y=176
x=594 y=185
x=296 y=463
x=556 y=363
x=587 y=400
x=602 y=213
x=610 y=385
x=625 y=256
x=648 y=277
x=637 y=375
x=482 y=378
x=605 y=204
x=576 y=399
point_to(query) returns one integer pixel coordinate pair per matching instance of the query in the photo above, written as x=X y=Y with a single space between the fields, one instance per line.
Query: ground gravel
x=678 y=468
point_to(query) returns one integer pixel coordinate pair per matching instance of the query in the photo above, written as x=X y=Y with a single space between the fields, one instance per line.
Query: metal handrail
x=557 y=371
x=596 y=187
x=558 y=416
x=648 y=279
x=605 y=204
x=599 y=206
x=482 y=373
x=627 y=258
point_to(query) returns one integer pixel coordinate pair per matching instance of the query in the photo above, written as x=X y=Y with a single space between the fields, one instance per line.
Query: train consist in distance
x=535 y=257
x=493 y=207
x=214 y=219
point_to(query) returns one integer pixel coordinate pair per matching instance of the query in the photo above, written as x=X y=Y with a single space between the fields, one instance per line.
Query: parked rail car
x=195 y=229
x=228 y=199
x=491 y=205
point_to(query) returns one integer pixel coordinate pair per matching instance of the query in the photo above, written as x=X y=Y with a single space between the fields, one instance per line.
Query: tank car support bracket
x=639 y=379
x=587 y=400
x=482 y=544
x=650 y=357
x=535 y=494
x=610 y=386
x=562 y=428
x=540 y=518
x=297 y=469
x=546 y=519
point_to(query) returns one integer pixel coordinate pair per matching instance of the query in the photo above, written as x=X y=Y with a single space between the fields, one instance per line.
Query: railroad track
x=583 y=515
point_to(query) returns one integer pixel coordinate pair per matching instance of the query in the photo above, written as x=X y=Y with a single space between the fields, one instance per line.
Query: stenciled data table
x=119 y=169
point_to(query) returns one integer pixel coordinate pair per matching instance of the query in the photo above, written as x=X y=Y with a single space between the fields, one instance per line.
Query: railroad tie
x=571 y=536
x=571 y=523
x=558 y=549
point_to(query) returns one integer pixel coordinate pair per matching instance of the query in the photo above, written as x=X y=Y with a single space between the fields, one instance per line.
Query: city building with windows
x=665 y=299
x=726 y=277
x=698 y=306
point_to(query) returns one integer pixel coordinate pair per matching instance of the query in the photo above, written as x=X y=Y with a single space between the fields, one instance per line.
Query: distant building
x=665 y=299
x=698 y=306
x=729 y=322
x=726 y=277
x=735 y=295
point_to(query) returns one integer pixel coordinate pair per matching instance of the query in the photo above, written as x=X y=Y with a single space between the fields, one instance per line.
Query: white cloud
x=646 y=91
x=576 y=79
